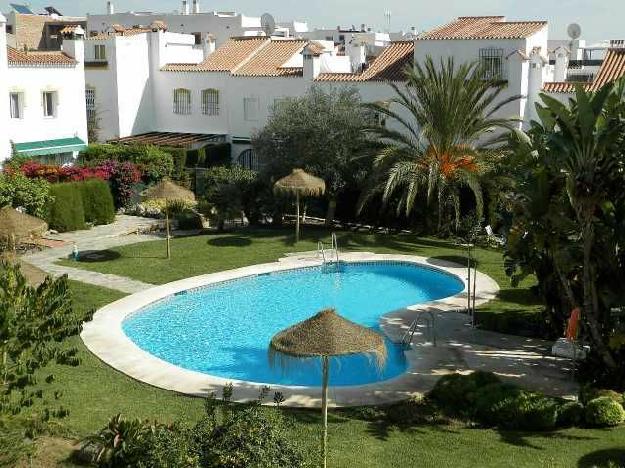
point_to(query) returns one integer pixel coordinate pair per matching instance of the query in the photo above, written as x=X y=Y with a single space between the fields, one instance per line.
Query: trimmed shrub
x=588 y=393
x=570 y=414
x=97 y=201
x=66 y=212
x=604 y=411
x=188 y=221
x=455 y=393
x=510 y=407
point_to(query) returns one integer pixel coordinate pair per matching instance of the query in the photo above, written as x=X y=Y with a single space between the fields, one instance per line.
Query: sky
x=600 y=19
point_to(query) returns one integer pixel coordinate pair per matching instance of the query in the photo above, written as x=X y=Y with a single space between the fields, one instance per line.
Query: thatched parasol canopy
x=302 y=183
x=323 y=335
x=328 y=334
x=16 y=225
x=167 y=190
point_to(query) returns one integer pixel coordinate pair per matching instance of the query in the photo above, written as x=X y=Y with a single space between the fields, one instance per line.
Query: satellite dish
x=268 y=24
x=574 y=31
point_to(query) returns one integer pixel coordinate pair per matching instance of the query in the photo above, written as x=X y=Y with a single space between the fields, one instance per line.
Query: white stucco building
x=42 y=109
x=192 y=20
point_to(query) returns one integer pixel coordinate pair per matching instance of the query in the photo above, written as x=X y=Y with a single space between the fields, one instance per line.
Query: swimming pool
x=224 y=329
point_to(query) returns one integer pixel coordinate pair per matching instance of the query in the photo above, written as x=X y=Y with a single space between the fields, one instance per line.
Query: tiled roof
x=388 y=66
x=125 y=32
x=268 y=60
x=51 y=59
x=559 y=87
x=68 y=29
x=226 y=58
x=612 y=68
x=483 y=27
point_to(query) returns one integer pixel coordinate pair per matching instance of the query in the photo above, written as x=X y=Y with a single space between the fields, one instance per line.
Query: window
x=90 y=104
x=248 y=160
x=49 y=103
x=210 y=102
x=182 y=101
x=99 y=52
x=16 y=103
x=491 y=63
x=250 y=108
x=198 y=38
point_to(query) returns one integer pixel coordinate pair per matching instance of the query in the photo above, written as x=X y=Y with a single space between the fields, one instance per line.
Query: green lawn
x=93 y=392
x=216 y=252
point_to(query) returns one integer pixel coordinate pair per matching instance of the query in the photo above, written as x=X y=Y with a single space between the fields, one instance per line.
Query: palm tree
x=443 y=114
x=587 y=138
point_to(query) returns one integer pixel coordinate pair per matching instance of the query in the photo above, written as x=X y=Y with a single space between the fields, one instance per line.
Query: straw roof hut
x=324 y=335
x=16 y=226
x=300 y=183
x=168 y=191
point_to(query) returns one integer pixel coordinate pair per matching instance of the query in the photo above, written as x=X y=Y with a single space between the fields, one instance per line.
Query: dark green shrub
x=188 y=221
x=508 y=406
x=170 y=446
x=66 y=211
x=604 y=411
x=570 y=414
x=455 y=393
x=245 y=436
x=589 y=393
x=97 y=201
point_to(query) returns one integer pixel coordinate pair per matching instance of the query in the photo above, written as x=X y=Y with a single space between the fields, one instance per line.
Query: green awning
x=42 y=148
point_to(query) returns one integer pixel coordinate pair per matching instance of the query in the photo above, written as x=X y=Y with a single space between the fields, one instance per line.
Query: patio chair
x=494 y=238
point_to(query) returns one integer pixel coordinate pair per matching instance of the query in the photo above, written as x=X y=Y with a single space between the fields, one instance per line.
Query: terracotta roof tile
x=30 y=58
x=119 y=33
x=483 y=27
x=612 y=68
x=234 y=53
x=268 y=61
x=388 y=66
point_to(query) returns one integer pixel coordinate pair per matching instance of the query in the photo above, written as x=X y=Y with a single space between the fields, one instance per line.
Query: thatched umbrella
x=168 y=191
x=299 y=183
x=324 y=335
x=16 y=226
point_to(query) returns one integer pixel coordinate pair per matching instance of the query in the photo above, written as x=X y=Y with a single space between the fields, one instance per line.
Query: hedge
x=97 y=201
x=66 y=211
x=604 y=412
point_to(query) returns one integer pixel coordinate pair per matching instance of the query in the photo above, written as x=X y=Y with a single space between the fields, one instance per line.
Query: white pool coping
x=104 y=337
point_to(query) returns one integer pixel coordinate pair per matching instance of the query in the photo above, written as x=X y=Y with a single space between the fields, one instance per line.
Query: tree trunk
x=589 y=309
x=297 y=218
x=330 y=212
x=167 y=230
x=324 y=410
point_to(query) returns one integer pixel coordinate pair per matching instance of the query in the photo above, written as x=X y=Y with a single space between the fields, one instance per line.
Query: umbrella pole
x=297 y=218
x=167 y=229
x=324 y=410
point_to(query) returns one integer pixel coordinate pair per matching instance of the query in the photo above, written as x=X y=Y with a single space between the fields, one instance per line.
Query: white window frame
x=182 y=101
x=49 y=108
x=251 y=108
x=16 y=112
x=99 y=52
x=210 y=101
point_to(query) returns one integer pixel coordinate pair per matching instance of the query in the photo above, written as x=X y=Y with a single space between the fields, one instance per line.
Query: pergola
x=172 y=139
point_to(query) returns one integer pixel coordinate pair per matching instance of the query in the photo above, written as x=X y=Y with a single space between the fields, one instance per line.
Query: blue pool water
x=224 y=329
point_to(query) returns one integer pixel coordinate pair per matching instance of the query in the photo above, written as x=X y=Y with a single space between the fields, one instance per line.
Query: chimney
x=357 y=51
x=185 y=8
x=562 y=64
x=196 y=7
x=110 y=9
x=312 y=63
x=208 y=44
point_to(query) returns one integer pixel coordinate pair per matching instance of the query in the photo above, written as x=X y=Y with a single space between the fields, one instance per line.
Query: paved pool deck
x=459 y=347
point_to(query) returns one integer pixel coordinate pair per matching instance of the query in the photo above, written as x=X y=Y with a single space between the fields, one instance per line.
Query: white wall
x=5 y=146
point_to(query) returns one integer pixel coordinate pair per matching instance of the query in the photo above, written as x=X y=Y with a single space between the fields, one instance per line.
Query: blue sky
x=599 y=19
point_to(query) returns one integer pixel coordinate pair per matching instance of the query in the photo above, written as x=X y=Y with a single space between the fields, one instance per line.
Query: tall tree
x=577 y=150
x=437 y=144
x=322 y=133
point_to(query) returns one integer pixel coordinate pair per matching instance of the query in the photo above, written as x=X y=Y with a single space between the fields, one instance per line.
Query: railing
x=414 y=326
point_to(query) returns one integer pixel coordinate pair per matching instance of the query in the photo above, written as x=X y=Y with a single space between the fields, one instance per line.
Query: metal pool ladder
x=331 y=255
x=430 y=330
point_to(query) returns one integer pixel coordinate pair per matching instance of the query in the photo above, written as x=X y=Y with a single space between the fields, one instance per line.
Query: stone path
x=122 y=232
